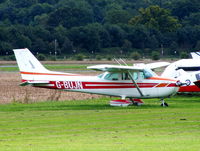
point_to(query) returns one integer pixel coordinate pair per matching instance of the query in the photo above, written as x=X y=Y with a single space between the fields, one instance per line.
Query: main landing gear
x=131 y=101
x=164 y=104
x=136 y=102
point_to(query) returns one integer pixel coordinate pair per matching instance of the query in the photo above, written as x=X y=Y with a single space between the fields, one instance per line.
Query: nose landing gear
x=164 y=104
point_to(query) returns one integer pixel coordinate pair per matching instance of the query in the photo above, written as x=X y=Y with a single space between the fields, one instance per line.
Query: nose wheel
x=164 y=104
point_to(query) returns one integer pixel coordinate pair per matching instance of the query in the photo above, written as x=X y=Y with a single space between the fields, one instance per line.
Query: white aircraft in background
x=186 y=71
x=195 y=55
x=117 y=80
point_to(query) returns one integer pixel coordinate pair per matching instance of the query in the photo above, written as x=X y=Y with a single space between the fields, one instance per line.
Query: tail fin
x=27 y=62
x=195 y=55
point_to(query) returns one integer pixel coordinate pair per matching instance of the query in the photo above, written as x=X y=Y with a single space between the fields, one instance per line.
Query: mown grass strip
x=94 y=125
x=50 y=67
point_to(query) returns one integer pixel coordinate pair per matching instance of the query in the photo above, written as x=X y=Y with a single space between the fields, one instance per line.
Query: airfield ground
x=93 y=125
x=10 y=91
x=87 y=123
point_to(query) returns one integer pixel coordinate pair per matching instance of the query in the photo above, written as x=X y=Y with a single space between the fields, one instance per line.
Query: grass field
x=56 y=67
x=93 y=125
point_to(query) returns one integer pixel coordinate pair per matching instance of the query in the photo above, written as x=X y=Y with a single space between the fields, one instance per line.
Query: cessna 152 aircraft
x=117 y=80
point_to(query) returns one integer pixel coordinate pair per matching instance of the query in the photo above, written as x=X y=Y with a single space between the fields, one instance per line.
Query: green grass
x=64 y=67
x=57 y=67
x=93 y=125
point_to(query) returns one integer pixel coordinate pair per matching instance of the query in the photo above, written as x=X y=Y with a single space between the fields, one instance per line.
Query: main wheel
x=164 y=104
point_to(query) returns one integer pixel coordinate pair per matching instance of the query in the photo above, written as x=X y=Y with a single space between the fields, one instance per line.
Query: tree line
x=100 y=27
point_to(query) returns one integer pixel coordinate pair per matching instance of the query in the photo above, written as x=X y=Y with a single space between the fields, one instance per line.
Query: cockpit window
x=112 y=76
x=148 y=73
x=101 y=75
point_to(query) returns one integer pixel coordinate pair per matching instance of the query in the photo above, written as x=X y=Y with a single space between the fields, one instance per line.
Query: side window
x=141 y=75
x=198 y=76
x=125 y=76
x=135 y=75
x=112 y=76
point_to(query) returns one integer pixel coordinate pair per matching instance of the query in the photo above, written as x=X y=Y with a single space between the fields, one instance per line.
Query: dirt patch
x=10 y=91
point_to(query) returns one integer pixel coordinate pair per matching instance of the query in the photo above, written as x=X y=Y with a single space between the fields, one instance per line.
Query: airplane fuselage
x=153 y=87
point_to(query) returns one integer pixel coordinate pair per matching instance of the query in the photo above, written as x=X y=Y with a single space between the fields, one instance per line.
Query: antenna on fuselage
x=118 y=61
x=123 y=61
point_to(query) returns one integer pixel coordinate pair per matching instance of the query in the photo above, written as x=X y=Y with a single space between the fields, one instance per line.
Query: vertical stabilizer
x=195 y=55
x=27 y=62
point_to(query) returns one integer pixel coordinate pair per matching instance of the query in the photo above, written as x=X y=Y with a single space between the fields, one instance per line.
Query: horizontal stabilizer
x=33 y=82
x=195 y=55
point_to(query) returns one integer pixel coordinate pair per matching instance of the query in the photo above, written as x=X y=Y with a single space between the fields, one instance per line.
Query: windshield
x=101 y=75
x=148 y=73
x=112 y=76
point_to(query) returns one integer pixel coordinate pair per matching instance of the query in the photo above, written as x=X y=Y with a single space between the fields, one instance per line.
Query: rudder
x=27 y=62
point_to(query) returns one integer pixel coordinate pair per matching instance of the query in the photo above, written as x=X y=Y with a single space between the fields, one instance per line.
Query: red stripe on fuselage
x=112 y=85
x=101 y=85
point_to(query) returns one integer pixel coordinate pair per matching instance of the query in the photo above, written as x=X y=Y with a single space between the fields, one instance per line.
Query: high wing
x=115 y=68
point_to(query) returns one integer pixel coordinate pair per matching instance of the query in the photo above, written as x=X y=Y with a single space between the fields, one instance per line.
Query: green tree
x=86 y=37
x=67 y=47
x=193 y=19
x=5 y=48
x=117 y=35
x=138 y=36
x=41 y=57
x=117 y=16
x=40 y=20
x=197 y=47
x=184 y=55
x=127 y=45
x=156 y=18
x=182 y=8
x=23 y=3
x=71 y=15
x=155 y=55
x=135 y=55
x=188 y=36
x=23 y=42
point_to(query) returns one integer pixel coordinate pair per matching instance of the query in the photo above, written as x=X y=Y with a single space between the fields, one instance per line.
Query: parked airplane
x=117 y=80
x=184 y=70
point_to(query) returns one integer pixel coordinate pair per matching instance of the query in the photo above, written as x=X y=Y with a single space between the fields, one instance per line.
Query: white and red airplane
x=117 y=80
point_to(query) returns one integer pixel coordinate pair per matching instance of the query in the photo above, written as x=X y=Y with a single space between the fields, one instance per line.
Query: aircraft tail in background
x=195 y=55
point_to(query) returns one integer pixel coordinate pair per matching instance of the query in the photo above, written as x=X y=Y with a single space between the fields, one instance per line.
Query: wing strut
x=135 y=83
